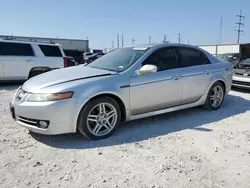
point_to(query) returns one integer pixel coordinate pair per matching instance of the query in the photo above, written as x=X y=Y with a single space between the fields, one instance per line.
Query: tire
x=210 y=105
x=95 y=124
x=37 y=71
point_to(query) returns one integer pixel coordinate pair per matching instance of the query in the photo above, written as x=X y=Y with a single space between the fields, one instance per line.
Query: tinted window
x=192 y=57
x=15 y=49
x=50 y=51
x=164 y=59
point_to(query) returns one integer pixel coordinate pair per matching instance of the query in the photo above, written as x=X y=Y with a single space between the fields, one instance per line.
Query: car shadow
x=139 y=130
x=10 y=86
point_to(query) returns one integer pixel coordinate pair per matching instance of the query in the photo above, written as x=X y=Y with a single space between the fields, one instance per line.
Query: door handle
x=207 y=72
x=176 y=77
x=28 y=60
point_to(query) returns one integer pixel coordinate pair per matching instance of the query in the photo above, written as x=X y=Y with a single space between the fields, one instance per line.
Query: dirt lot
x=192 y=148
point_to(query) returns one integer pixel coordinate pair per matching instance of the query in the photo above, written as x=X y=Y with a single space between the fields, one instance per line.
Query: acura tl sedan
x=126 y=84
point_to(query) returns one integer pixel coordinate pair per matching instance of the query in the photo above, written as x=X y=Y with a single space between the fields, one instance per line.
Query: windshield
x=118 y=60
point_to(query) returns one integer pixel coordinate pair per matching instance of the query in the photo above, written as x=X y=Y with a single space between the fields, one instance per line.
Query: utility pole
x=149 y=40
x=122 y=41
x=118 y=41
x=240 y=24
x=165 y=39
x=133 y=41
x=221 y=22
x=113 y=46
x=179 y=37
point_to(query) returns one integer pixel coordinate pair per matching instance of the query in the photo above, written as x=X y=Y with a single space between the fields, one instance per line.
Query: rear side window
x=50 y=51
x=191 y=57
x=15 y=49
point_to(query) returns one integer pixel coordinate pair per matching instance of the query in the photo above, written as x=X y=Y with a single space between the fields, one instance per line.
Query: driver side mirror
x=147 y=69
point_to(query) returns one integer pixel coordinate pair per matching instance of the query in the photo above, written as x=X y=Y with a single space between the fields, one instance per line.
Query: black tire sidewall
x=82 y=118
x=208 y=104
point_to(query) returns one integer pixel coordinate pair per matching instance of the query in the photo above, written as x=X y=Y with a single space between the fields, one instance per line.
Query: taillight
x=65 y=62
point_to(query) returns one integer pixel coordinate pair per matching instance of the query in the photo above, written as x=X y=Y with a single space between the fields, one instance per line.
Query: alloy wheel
x=216 y=96
x=101 y=119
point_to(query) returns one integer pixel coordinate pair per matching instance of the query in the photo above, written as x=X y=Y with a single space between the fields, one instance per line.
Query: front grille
x=241 y=83
x=28 y=121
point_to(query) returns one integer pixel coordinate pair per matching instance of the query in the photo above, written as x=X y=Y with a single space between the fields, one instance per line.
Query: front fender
x=82 y=99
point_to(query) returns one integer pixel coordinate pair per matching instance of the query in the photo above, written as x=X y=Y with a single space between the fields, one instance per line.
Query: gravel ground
x=191 y=148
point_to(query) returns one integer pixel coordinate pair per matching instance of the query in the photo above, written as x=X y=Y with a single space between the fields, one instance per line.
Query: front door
x=159 y=90
x=196 y=74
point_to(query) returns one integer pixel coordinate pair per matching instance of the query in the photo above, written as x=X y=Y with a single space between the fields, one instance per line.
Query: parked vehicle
x=70 y=61
x=230 y=57
x=76 y=54
x=94 y=57
x=20 y=60
x=86 y=56
x=241 y=70
x=123 y=85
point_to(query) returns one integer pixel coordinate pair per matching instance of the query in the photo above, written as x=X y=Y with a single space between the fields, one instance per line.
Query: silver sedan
x=126 y=84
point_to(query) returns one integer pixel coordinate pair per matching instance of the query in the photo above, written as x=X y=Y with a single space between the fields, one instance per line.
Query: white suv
x=20 y=60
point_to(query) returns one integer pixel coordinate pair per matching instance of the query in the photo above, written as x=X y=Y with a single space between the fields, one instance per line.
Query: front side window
x=50 y=51
x=15 y=49
x=164 y=59
x=118 y=60
x=192 y=57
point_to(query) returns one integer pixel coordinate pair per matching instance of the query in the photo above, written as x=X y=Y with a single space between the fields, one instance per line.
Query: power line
x=240 y=24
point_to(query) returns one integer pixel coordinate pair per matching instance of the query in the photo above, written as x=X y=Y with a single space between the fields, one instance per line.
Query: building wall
x=68 y=44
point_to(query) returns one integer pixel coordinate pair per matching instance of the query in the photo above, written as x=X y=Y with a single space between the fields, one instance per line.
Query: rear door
x=16 y=59
x=196 y=73
x=52 y=56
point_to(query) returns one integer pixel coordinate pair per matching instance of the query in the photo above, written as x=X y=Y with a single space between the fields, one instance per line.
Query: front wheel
x=215 y=96
x=99 y=118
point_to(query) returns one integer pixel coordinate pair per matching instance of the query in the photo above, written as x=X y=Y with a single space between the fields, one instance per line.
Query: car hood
x=64 y=75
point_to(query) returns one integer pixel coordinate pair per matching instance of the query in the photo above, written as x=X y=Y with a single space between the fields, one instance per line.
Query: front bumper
x=241 y=82
x=59 y=115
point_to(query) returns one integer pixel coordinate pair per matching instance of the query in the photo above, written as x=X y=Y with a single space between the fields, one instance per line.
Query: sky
x=100 y=21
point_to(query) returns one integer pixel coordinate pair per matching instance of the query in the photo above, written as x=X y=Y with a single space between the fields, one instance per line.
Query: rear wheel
x=99 y=118
x=215 y=96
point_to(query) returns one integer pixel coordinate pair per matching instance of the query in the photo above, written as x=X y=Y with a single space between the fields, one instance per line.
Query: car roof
x=161 y=45
x=29 y=42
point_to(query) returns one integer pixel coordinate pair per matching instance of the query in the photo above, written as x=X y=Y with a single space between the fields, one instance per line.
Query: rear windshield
x=50 y=51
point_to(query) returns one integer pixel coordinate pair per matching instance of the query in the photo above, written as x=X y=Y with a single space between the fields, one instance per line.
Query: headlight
x=42 y=97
